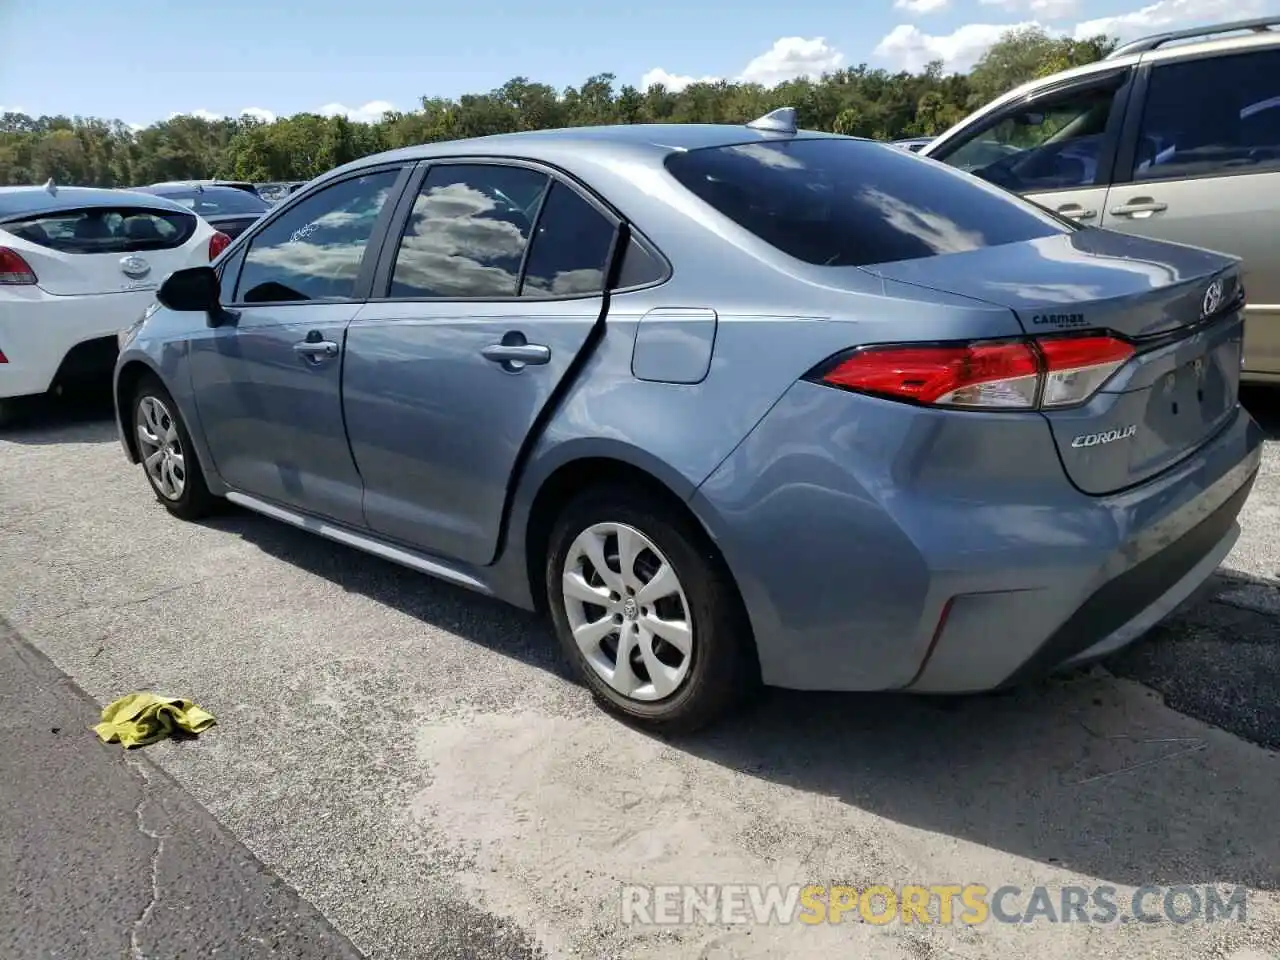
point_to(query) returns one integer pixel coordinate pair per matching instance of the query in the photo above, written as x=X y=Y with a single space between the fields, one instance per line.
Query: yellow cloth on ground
x=138 y=719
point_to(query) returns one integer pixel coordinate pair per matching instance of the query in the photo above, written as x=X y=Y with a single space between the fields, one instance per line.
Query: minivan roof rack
x=1157 y=40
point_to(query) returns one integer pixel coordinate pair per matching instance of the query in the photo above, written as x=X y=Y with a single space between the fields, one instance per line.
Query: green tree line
x=860 y=101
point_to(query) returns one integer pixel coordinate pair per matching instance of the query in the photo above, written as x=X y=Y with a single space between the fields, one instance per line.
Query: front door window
x=1052 y=144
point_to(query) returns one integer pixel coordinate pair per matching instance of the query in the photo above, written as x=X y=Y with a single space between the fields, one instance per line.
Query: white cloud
x=258 y=113
x=1049 y=9
x=1173 y=13
x=4 y=110
x=919 y=7
x=369 y=113
x=907 y=47
x=200 y=114
x=674 y=82
x=910 y=48
x=788 y=59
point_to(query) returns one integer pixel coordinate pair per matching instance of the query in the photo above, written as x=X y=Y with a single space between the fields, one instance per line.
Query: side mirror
x=192 y=290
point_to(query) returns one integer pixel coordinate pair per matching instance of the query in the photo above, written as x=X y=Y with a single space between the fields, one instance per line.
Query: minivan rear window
x=838 y=202
x=106 y=229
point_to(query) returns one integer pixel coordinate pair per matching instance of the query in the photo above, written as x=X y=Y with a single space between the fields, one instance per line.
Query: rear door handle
x=1139 y=208
x=521 y=353
x=514 y=352
x=316 y=349
x=1073 y=211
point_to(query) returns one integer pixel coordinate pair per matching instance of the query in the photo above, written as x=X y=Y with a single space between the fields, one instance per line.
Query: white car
x=78 y=264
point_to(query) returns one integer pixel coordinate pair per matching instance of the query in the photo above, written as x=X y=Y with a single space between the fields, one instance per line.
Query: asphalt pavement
x=108 y=857
x=409 y=762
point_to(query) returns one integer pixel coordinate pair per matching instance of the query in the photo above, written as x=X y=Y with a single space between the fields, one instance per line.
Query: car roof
x=1203 y=34
x=25 y=201
x=184 y=187
x=599 y=144
x=234 y=184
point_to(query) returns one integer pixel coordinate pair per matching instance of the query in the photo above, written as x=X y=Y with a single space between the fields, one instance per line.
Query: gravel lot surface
x=412 y=760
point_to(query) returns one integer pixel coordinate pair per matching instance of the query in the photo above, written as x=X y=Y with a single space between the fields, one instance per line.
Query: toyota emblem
x=1212 y=299
x=135 y=268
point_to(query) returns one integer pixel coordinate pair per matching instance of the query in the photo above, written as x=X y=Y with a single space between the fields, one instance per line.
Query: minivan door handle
x=514 y=352
x=1139 y=208
x=1073 y=211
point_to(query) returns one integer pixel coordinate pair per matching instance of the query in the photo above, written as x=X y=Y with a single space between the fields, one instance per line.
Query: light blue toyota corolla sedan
x=734 y=404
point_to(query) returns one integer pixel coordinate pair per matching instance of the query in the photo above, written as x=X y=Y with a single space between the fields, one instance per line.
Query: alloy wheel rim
x=162 y=455
x=628 y=612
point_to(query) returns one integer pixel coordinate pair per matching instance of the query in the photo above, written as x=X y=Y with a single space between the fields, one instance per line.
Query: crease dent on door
x=447 y=380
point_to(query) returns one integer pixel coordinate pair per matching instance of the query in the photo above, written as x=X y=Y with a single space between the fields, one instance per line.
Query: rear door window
x=1211 y=116
x=106 y=230
x=838 y=202
x=571 y=246
x=468 y=232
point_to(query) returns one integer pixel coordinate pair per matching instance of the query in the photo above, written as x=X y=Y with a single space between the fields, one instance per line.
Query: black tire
x=723 y=669
x=195 y=500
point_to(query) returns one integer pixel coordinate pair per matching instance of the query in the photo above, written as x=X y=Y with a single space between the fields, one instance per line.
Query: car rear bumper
x=880 y=546
x=987 y=640
x=39 y=331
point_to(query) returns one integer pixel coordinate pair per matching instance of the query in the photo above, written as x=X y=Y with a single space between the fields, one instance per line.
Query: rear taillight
x=13 y=269
x=1075 y=367
x=985 y=375
x=217 y=243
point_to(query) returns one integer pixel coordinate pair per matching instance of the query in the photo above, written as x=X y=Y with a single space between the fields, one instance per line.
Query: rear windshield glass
x=106 y=230
x=218 y=201
x=853 y=203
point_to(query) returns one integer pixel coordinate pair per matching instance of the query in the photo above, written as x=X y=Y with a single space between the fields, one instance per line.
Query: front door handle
x=316 y=349
x=514 y=352
x=1139 y=208
x=1073 y=211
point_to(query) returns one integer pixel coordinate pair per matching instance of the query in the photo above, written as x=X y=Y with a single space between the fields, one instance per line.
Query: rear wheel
x=646 y=612
x=168 y=456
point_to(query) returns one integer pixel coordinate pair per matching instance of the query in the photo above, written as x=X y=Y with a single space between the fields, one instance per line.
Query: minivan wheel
x=646 y=612
x=168 y=456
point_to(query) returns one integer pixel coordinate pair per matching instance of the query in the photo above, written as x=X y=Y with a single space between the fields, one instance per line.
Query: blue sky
x=145 y=60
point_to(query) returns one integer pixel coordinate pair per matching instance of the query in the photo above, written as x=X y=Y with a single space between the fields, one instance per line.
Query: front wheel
x=168 y=456
x=646 y=612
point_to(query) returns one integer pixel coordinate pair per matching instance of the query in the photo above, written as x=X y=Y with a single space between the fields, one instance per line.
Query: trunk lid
x=1180 y=307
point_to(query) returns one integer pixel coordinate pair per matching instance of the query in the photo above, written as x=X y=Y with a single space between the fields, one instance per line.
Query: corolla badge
x=134 y=267
x=1106 y=436
x=1212 y=299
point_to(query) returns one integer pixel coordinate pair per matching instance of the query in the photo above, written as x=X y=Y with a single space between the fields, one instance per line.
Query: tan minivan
x=1176 y=136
